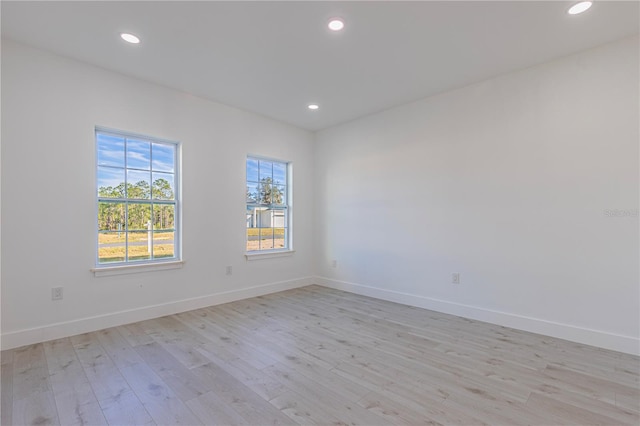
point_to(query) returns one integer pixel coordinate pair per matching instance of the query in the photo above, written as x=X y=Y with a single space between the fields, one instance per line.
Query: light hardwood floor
x=317 y=356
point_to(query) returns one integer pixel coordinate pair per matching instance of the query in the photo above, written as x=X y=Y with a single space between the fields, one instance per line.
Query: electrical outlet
x=334 y=263
x=455 y=278
x=229 y=270
x=56 y=293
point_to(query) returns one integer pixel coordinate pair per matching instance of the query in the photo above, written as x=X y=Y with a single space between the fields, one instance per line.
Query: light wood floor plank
x=254 y=379
x=304 y=411
x=314 y=355
x=159 y=400
x=134 y=334
x=561 y=410
x=125 y=409
x=221 y=343
x=38 y=408
x=341 y=408
x=248 y=404
x=395 y=412
x=178 y=339
x=6 y=387
x=212 y=410
x=119 y=403
x=30 y=372
x=184 y=382
x=75 y=401
x=119 y=350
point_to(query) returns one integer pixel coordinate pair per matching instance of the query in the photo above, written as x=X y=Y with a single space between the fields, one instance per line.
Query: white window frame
x=152 y=264
x=288 y=208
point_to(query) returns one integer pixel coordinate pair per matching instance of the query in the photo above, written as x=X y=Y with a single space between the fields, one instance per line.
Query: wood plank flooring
x=317 y=356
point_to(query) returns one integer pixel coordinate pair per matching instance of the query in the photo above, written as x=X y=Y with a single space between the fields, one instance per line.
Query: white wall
x=50 y=106
x=506 y=182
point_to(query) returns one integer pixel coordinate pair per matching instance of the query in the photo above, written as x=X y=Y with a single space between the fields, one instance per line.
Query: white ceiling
x=274 y=58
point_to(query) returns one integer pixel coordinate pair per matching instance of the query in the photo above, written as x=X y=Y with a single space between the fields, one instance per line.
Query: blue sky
x=260 y=169
x=112 y=150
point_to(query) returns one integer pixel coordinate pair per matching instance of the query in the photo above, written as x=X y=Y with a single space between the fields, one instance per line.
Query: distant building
x=264 y=217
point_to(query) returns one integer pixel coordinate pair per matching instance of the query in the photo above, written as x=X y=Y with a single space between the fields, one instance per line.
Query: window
x=268 y=205
x=137 y=199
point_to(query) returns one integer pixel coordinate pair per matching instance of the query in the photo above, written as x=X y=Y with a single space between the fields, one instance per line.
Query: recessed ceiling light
x=579 y=7
x=336 y=24
x=130 y=38
x=313 y=106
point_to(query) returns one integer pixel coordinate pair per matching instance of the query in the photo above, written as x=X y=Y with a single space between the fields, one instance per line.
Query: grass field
x=134 y=236
x=254 y=232
x=136 y=252
x=265 y=244
x=116 y=254
x=265 y=238
x=257 y=239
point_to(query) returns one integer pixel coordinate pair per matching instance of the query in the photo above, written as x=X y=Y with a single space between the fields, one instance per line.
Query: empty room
x=441 y=213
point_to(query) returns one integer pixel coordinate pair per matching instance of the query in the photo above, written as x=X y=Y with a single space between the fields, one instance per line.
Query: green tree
x=163 y=217
x=252 y=197
x=162 y=190
x=110 y=215
x=138 y=216
x=268 y=193
x=140 y=190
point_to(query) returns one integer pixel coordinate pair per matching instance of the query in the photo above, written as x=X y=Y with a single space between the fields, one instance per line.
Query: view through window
x=137 y=198
x=267 y=204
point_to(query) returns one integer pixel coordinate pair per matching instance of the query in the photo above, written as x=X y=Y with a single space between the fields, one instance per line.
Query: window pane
x=253 y=239
x=163 y=186
x=110 y=217
x=138 y=154
x=279 y=194
x=163 y=157
x=264 y=193
x=271 y=194
x=139 y=247
x=111 y=235
x=266 y=170
x=163 y=244
x=266 y=238
x=280 y=238
x=110 y=182
x=111 y=247
x=278 y=218
x=138 y=184
x=253 y=217
x=280 y=173
x=111 y=238
x=164 y=218
x=110 y=150
x=252 y=170
x=252 y=193
x=255 y=188
x=138 y=216
x=262 y=217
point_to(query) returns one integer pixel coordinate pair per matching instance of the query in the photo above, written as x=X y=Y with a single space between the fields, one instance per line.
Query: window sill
x=106 y=271
x=268 y=255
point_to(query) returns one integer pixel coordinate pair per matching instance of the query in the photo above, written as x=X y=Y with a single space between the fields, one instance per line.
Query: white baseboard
x=616 y=342
x=59 y=330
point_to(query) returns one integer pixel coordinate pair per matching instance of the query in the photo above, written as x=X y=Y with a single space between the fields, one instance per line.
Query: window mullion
x=126 y=202
x=150 y=235
x=151 y=218
x=126 y=230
